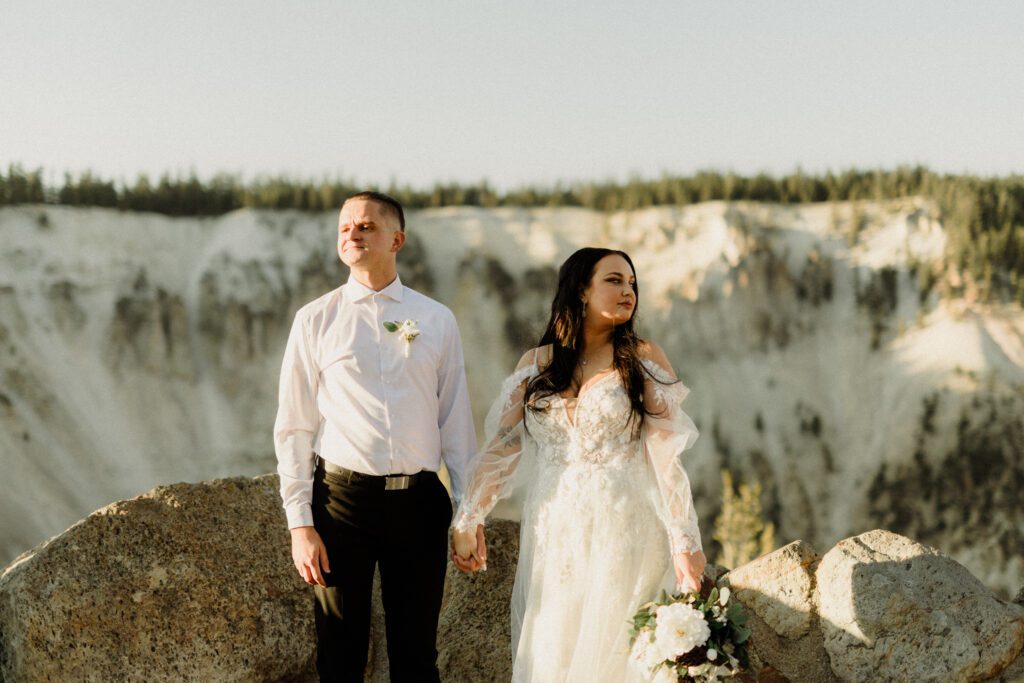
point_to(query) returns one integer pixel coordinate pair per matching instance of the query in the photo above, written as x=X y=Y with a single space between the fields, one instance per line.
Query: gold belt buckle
x=397 y=483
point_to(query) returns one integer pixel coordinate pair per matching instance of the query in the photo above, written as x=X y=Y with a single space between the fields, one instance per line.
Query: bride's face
x=610 y=296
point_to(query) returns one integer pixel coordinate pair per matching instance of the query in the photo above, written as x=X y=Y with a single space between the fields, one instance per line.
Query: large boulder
x=778 y=592
x=892 y=609
x=876 y=607
x=187 y=582
x=195 y=582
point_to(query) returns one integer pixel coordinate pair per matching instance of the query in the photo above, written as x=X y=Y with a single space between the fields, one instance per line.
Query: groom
x=372 y=398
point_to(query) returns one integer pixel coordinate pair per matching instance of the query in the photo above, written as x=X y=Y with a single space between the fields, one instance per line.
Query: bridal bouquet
x=694 y=636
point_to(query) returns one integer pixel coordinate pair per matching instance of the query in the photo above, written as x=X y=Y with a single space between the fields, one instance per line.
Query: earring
x=584 y=308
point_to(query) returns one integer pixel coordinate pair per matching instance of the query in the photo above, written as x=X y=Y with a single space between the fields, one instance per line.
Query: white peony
x=646 y=652
x=679 y=629
x=665 y=674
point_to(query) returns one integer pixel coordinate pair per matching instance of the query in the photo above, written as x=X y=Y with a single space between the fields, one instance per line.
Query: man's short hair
x=390 y=204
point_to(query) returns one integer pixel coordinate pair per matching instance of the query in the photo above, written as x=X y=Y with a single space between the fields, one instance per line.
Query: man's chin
x=352 y=256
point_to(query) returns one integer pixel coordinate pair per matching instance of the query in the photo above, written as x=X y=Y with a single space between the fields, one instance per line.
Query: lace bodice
x=593 y=433
x=591 y=428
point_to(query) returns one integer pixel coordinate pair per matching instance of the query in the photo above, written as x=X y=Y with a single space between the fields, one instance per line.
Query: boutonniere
x=408 y=329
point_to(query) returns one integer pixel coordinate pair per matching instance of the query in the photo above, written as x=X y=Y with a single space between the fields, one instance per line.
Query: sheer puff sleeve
x=493 y=470
x=666 y=434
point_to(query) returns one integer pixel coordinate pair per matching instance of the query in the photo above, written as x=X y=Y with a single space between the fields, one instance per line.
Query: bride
x=591 y=421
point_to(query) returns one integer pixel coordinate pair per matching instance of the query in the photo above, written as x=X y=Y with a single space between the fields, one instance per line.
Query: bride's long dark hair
x=565 y=335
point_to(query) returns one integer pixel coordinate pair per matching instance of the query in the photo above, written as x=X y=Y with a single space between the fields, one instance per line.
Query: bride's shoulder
x=538 y=356
x=649 y=351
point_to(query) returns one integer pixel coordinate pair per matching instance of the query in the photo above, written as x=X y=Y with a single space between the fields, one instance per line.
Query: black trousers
x=405 y=532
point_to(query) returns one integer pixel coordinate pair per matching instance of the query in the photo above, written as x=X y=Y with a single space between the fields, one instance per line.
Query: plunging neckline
x=584 y=390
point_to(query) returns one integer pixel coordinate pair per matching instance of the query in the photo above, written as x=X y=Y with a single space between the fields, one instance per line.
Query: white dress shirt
x=354 y=394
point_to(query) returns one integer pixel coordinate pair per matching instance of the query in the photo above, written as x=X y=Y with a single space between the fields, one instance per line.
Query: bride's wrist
x=466 y=524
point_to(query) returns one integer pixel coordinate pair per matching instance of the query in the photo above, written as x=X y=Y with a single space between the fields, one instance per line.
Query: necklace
x=584 y=360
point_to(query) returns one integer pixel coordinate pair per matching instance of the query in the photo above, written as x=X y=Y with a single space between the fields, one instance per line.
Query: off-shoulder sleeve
x=493 y=469
x=666 y=434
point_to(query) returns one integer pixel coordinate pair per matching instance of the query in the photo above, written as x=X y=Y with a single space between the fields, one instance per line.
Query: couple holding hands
x=373 y=397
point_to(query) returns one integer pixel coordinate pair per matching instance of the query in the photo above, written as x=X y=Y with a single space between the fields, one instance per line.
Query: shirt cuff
x=299 y=515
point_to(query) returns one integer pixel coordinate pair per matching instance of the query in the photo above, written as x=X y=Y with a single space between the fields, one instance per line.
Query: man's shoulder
x=421 y=300
x=319 y=305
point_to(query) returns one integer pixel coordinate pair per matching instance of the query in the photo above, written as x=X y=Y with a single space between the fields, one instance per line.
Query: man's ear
x=398 y=242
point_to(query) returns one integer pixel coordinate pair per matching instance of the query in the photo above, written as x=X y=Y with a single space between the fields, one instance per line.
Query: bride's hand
x=689 y=569
x=469 y=551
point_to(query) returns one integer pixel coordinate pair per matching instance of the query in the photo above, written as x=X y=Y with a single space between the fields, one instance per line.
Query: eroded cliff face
x=137 y=350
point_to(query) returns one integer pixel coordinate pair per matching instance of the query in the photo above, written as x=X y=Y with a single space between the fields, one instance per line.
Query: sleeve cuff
x=684 y=543
x=467 y=523
x=300 y=515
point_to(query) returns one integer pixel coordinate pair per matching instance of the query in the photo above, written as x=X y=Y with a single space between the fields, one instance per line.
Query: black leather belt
x=390 y=482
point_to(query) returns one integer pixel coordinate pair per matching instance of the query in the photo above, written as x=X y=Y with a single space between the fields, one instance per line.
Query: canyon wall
x=137 y=350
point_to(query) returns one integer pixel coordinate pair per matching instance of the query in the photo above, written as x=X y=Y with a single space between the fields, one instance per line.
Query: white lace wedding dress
x=602 y=513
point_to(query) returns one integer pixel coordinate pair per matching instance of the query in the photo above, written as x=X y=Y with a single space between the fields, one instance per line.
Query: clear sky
x=514 y=92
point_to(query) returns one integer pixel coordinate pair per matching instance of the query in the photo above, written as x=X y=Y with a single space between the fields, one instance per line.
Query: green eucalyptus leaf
x=736 y=613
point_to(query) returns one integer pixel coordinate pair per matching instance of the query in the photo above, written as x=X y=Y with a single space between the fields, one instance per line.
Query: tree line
x=984 y=216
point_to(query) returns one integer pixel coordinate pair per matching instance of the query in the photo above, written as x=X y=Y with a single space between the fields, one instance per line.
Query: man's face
x=368 y=235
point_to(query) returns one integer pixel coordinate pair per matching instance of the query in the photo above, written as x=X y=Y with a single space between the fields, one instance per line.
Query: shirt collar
x=356 y=291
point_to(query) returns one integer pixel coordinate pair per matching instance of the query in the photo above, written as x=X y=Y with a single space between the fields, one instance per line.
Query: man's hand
x=309 y=555
x=689 y=570
x=469 y=551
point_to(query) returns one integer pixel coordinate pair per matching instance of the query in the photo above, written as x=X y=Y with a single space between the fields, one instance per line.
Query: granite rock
x=893 y=609
x=195 y=582
x=779 y=593
x=186 y=582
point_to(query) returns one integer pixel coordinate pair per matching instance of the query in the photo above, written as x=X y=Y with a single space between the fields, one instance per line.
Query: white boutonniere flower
x=409 y=330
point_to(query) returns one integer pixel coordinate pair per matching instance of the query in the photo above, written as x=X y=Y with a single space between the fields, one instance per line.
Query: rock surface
x=187 y=582
x=779 y=592
x=779 y=588
x=892 y=609
x=195 y=582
